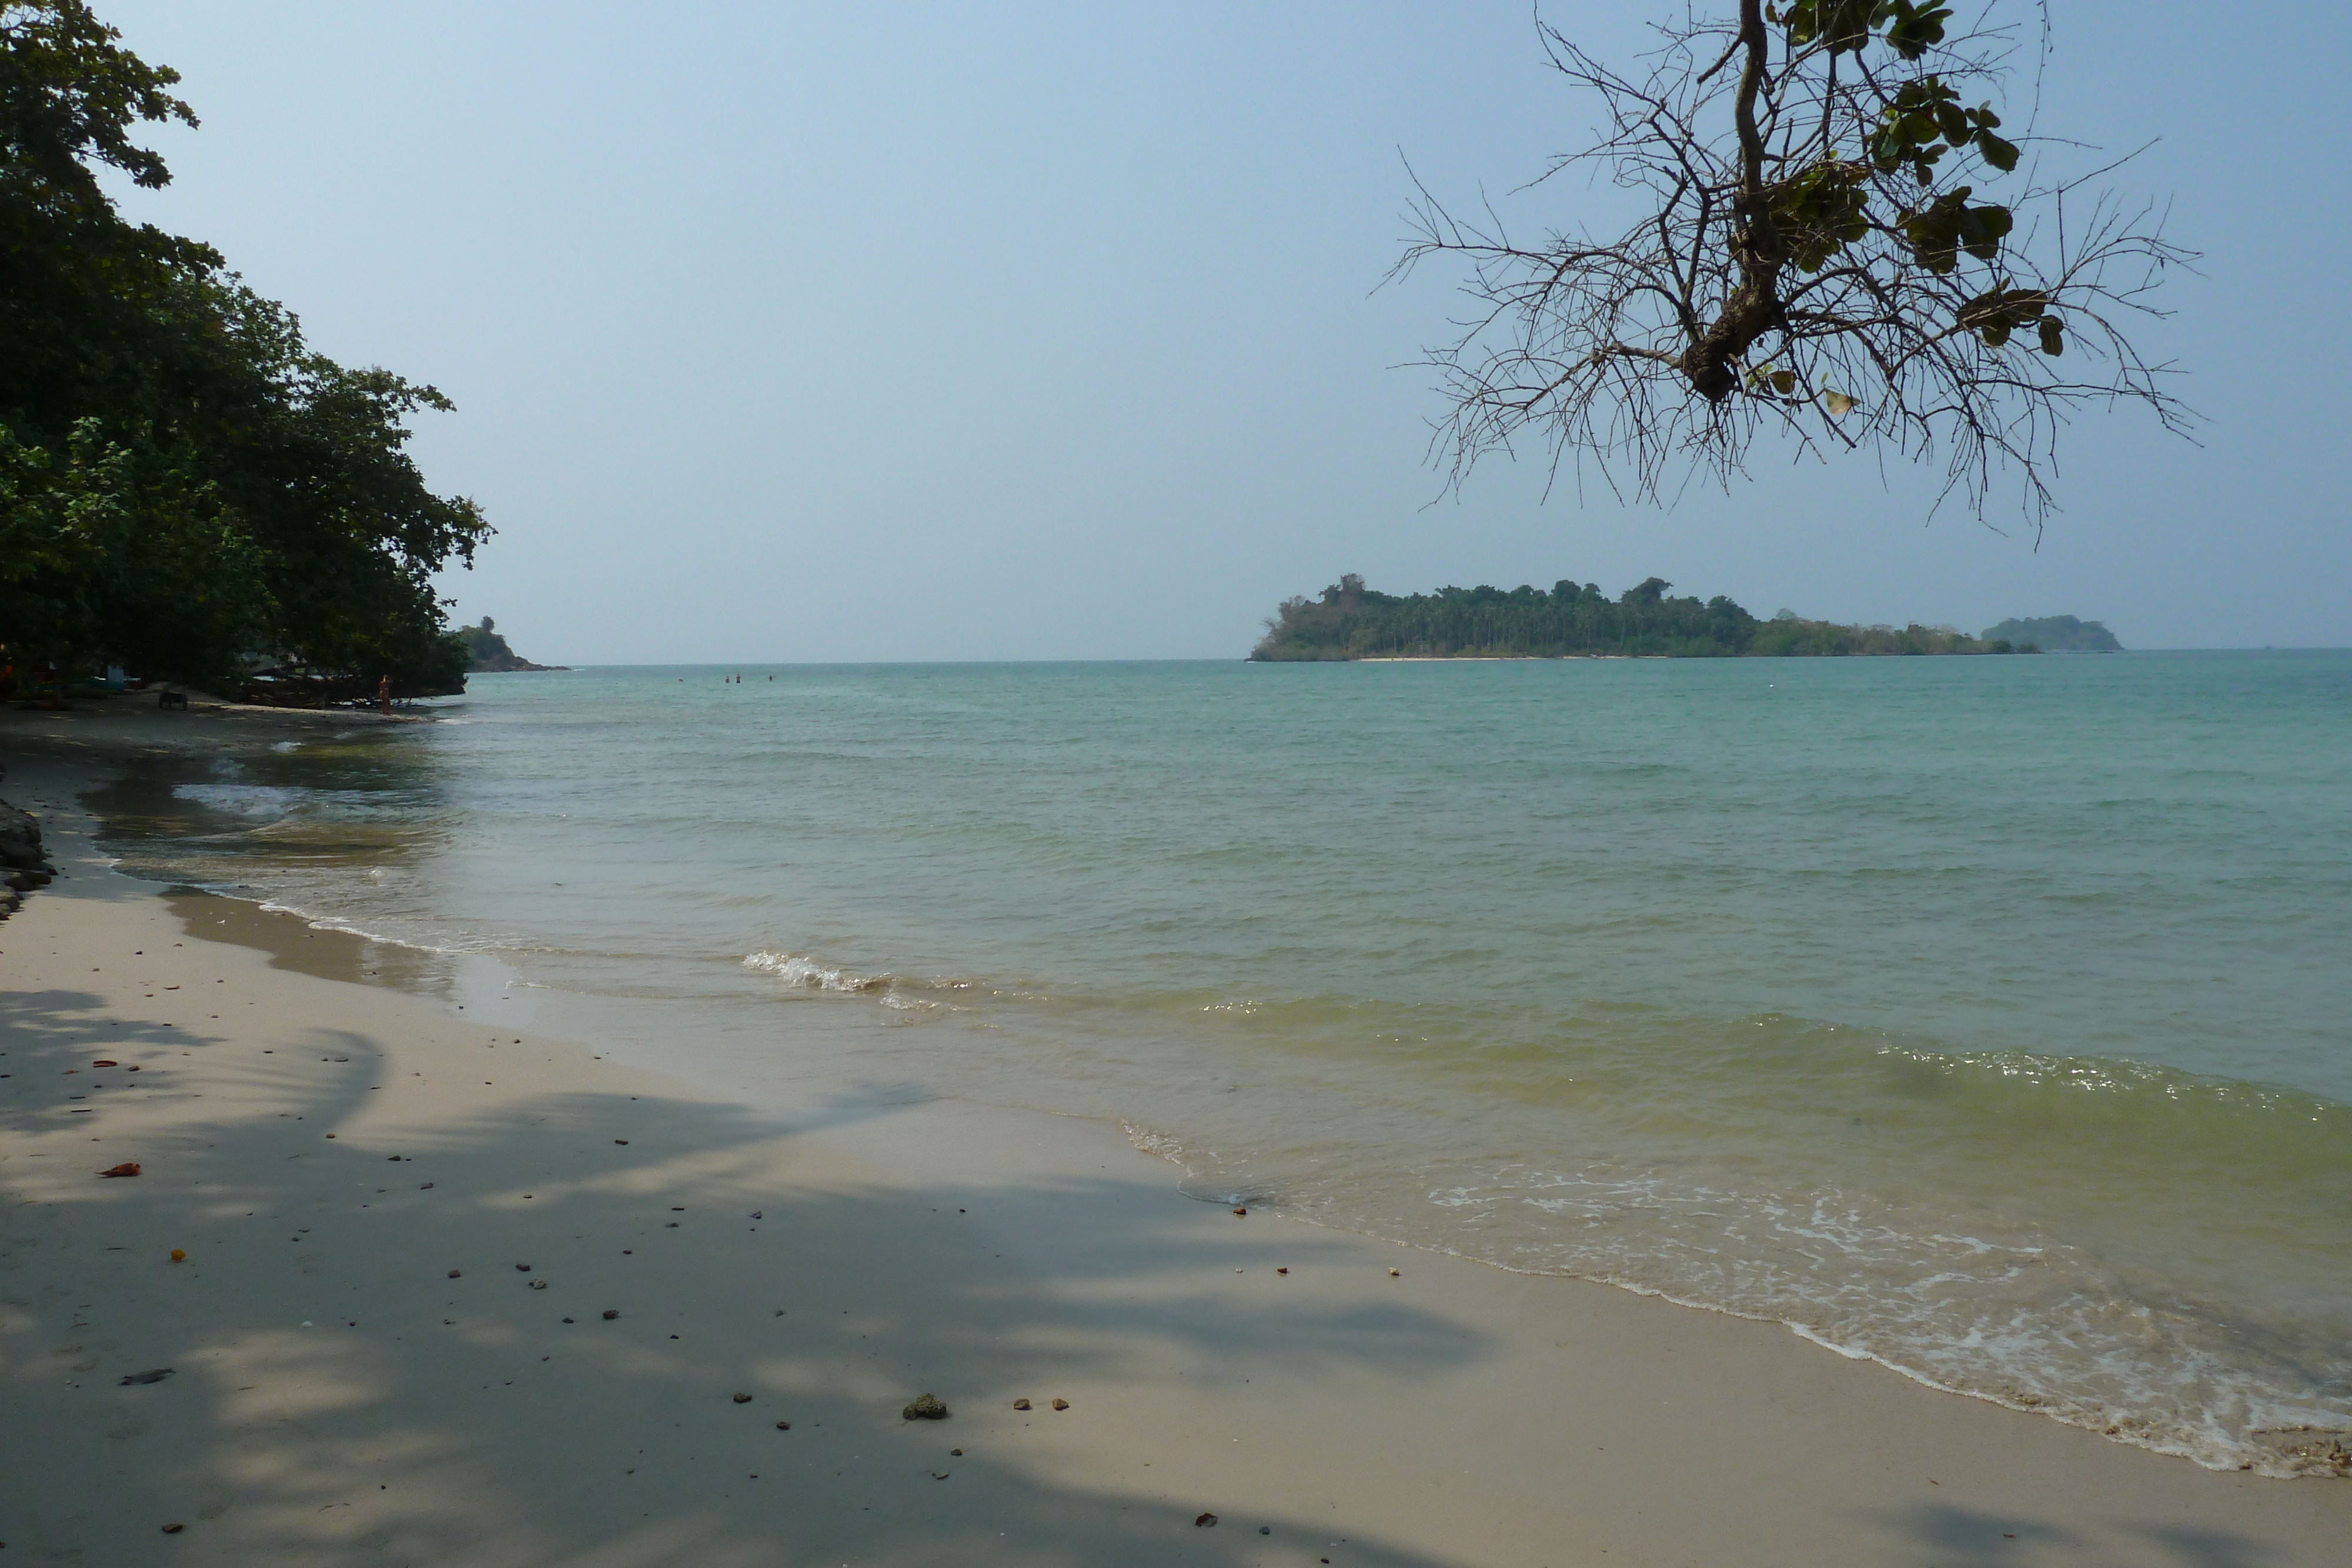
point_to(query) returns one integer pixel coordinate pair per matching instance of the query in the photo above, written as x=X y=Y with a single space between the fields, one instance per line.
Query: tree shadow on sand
x=1947 y=1536
x=299 y=1425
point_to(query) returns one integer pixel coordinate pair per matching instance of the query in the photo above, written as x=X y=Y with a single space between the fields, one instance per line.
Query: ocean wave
x=807 y=972
x=2017 y=1320
x=813 y=974
x=260 y=802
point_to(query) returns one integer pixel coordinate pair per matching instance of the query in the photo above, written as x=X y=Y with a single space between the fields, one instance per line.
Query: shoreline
x=1451 y=1413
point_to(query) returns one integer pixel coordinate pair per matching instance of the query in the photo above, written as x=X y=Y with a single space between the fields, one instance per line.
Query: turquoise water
x=1984 y=1017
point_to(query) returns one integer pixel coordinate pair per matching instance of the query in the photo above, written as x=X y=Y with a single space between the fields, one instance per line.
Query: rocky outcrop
x=490 y=654
x=24 y=865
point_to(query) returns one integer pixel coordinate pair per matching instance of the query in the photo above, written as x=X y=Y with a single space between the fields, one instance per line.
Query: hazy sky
x=846 y=333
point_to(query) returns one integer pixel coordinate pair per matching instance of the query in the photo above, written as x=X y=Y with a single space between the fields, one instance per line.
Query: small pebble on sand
x=1061 y=1405
x=742 y=1399
x=925 y=1407
x=1021 y=1405
x=612 y=1312
x=1205 y=1520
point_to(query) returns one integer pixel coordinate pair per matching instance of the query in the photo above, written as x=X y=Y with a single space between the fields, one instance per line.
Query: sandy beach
x=397 y=1286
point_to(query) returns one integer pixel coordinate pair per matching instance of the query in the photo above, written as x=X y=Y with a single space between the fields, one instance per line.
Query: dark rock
x=611 y=1313
x=1205 y=1520
x=1061 y=1405
x=742 y=1399
x=925 y=1407
x=1021 y=1405
x=157 y=1375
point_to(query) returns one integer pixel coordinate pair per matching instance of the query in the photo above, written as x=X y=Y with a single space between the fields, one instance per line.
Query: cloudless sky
x=805 y=332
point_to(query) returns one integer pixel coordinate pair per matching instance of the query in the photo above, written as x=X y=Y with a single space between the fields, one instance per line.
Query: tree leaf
x=1837 y=402
x=1784 y=381
x=2000 y=154
x=2054 y=336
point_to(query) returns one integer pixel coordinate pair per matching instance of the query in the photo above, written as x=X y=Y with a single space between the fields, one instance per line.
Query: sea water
x=1984 y=1017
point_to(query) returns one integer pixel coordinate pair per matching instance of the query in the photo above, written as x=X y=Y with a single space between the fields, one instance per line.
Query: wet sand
x=326 y=1153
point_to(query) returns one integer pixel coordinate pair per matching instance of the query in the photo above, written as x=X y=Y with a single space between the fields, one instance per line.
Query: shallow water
x=1986 y=1017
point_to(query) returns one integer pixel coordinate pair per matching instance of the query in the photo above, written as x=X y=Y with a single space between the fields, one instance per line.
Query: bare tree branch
x=1817 y=255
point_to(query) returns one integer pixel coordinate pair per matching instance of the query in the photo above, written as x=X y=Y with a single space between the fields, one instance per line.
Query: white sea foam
x=812 y=974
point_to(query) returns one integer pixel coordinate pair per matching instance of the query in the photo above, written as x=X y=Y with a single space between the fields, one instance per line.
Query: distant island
x=1578 y=621
x=2058 y=634
x=489 y=653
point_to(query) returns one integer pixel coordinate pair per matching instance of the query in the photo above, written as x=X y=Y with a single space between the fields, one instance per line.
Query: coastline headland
x=402 y=1279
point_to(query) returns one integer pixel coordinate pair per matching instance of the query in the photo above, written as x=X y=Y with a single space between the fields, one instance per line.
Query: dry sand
x=326 y=1153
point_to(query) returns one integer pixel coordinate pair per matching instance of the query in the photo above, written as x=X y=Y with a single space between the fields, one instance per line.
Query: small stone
x=1265 y=1530
x=955 y=1453
x=538 y=1284
x=742 y=1399
x=783 y=1426
x=453 y=1273
x=1282 y=1270
x=1205 y=1520
x=522 y=1268
x=1021 y=1405
x=1395 y=1272
x=1061 y=1405
x=612 y=1312
x=620 y=1140
x=173 y=1529
x=567 y=1320
x=1237 y=1209
x=925 y=1407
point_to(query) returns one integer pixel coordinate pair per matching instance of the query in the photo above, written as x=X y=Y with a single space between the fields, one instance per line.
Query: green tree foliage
x=1352 y=621
x=184 y=484
x=2058 y=634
